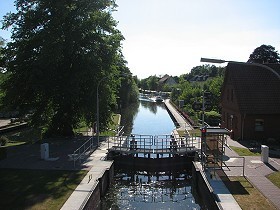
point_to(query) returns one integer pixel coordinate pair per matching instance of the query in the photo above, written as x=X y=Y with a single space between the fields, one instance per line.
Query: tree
x=2 y=44
x=153 y=82
x=264 y=54
x=59 y=53
x=128 y=92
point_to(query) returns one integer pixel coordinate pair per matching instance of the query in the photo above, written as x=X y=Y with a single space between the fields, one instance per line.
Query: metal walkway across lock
x=158 y=144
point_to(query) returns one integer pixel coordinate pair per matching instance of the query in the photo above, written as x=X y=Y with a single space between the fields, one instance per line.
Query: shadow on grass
x=271 y=167
x=36 y=189
x=236 y=187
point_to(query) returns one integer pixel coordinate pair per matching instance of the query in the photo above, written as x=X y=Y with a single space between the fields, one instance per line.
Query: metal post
x=97 y=113
x=203 y=109
x=243 y=167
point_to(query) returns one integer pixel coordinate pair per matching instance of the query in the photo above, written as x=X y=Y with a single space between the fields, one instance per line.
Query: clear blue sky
x=170 y=37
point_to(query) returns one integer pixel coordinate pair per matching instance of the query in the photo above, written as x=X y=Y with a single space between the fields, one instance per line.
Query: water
x=152 y=119
x=134 y=189
x=147 y=118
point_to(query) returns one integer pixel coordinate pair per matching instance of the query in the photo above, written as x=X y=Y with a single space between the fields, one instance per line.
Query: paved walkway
x=183 y=124
x=4 y=122
x=98 y=165
x=255 y=171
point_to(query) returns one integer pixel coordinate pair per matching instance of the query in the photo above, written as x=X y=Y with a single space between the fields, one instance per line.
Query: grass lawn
x=37 y=189
x=195 y=132
x=246 y=195
x=115 y=120
x=275 y=178
x=25 y=136
x=244 y=151
x=112 y=125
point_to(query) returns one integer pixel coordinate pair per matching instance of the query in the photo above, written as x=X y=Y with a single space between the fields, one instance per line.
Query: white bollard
x=44 y=151
x=265 y=153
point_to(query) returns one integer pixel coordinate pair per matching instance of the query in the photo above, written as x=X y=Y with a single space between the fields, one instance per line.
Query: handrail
x=119 y=130
x=234 y=166
x=148 y=143
x=79 y=153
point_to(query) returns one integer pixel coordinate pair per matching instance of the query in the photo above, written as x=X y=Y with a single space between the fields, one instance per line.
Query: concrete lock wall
x=201 y=189
x=93 y=203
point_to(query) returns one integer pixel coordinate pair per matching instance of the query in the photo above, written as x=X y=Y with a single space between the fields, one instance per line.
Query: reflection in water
x=147 y=190
x=127 y=116
x=152 y=106
x=147 y=118
x=144 y=190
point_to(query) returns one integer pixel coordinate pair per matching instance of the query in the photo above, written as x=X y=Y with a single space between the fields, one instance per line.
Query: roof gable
x=256 y=88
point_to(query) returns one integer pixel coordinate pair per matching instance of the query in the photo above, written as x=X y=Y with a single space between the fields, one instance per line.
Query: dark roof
x=256 y=87
x=164 y=78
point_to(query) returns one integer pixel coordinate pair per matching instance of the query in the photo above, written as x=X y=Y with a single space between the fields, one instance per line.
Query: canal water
x=134 y=189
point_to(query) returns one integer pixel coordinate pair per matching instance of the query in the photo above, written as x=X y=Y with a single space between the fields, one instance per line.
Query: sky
x=170 y=36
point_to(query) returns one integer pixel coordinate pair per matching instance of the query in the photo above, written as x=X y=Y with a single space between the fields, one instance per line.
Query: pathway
x=256 y=172
x=98 y=165
x=183 y=123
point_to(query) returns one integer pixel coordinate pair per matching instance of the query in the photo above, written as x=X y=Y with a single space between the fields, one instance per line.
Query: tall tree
x=2 y=41
x=264 y=54
x=59 y=53
x=152 y=82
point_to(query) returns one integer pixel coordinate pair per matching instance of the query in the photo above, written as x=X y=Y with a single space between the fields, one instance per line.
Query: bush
x=212 y=118
x=271 y=141
x=3 y=140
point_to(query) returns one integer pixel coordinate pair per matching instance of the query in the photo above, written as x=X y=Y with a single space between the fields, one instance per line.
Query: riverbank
x=180 y=121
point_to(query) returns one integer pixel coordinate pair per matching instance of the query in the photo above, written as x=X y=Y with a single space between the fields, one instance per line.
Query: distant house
x=167 y=80
x=250 y=101
x=199 y=78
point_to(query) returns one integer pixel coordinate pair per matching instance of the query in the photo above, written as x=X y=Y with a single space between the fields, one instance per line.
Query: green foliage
x=2 y=42
x=192 y=92
x=150 y=83
x=212 y=118
x=153 y=82
x=244 y=151
x=264 y=54
x=128 y=92
x=275 y=178
x=59 y=53
x=204 y=70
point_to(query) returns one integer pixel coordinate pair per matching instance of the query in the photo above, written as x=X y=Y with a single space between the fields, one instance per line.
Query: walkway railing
x=80 y=154
x=241 y=165
x=153 y=144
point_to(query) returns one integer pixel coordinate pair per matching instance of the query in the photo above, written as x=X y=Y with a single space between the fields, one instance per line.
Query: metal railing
x=85 y=150
x=149 y=143
x=237 y=166
x=217 y=164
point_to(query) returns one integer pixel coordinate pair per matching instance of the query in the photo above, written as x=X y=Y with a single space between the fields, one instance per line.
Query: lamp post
x=220 y=61
x=97 y=106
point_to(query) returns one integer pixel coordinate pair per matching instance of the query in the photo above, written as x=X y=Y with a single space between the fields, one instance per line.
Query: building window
x=231 y=95
x=259 y=125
